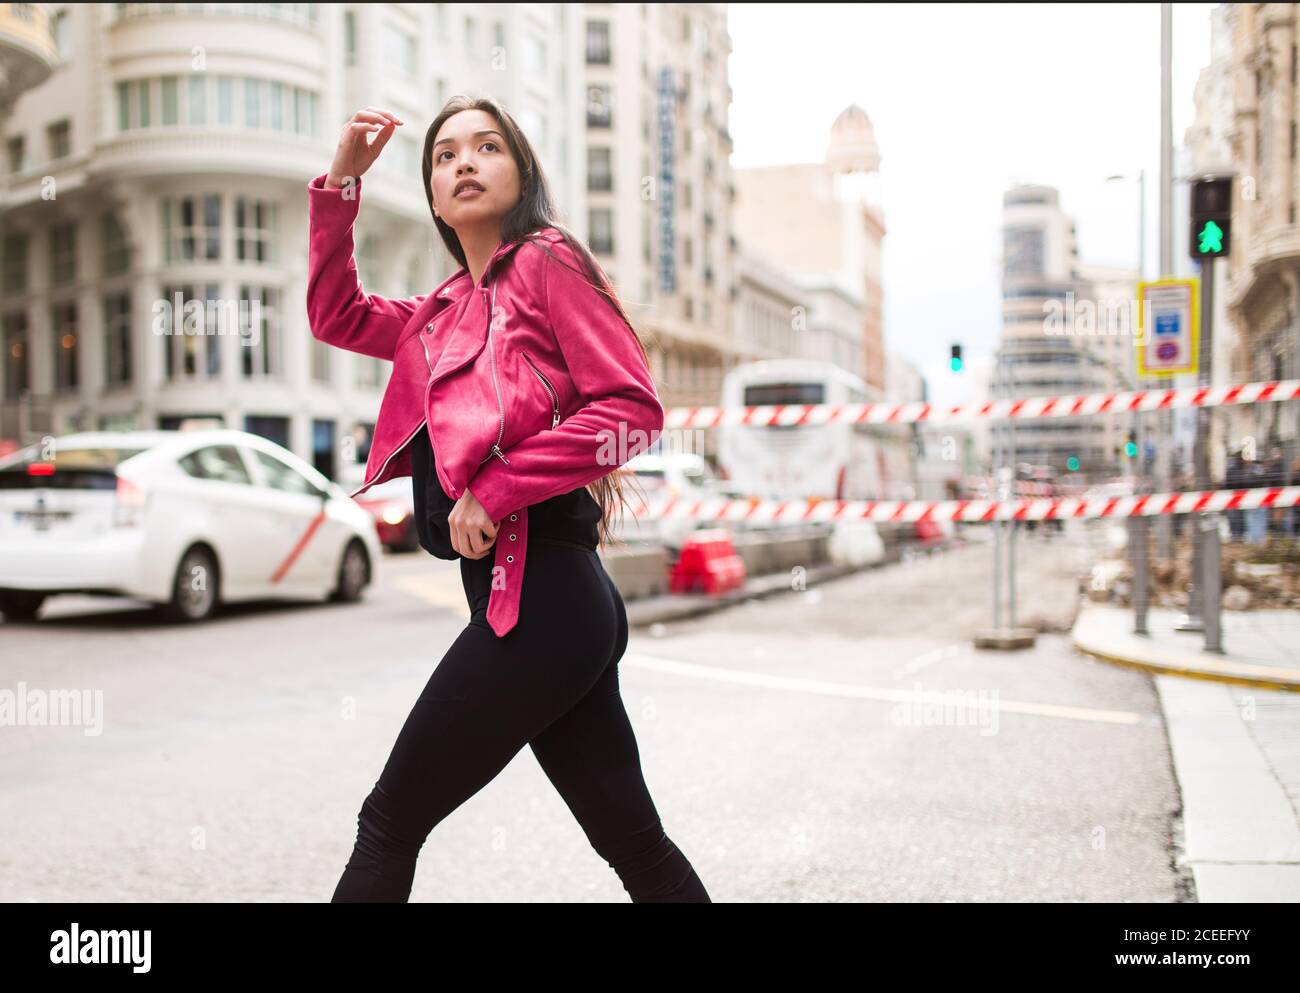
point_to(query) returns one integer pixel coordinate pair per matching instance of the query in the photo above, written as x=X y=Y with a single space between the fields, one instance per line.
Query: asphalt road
x=233 y=757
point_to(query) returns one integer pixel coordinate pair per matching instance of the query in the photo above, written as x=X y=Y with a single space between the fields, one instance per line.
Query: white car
x=185 y=519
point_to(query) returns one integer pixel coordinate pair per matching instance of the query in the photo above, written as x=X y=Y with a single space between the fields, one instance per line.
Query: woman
x=509 y=383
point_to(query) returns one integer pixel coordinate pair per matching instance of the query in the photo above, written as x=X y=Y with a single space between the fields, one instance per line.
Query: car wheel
x=354 y=573
x=20 y=605
x=194 y=588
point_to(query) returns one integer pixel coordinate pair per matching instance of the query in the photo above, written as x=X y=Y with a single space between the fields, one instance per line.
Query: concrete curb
x=672 y=607
x=1093 y=636
x=644 y=611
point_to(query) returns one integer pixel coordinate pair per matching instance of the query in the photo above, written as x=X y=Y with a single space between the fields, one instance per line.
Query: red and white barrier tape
x=1038 y=509
x=1031 y=407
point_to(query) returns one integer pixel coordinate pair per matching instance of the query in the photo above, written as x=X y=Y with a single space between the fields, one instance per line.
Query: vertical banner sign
x=1169 y=323
x=667 y=107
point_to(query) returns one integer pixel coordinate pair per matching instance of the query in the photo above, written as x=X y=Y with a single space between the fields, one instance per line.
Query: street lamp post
x=1137 y=525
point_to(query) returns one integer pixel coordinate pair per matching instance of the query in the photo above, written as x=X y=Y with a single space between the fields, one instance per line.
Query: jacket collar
x=459 y=283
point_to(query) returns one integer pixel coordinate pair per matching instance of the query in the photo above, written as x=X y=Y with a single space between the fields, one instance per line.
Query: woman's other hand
x=356 y=153
x=473 y=533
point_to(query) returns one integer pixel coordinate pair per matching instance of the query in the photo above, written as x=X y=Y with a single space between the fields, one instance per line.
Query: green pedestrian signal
x=1211 y=217
x=1210 y=239
x=1072 y=464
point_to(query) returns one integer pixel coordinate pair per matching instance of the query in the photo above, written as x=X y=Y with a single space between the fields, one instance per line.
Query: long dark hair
x=534 y=211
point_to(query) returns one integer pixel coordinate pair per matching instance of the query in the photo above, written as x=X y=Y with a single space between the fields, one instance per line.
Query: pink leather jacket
x=550 y=394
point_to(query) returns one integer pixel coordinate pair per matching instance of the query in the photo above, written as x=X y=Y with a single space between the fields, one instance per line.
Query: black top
x=573 y=516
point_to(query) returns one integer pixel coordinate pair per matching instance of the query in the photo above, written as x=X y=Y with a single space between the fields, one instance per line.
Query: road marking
x=695 y=670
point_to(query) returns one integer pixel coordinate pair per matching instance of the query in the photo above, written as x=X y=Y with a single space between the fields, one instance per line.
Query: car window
x=219 y=462
x=281 y=477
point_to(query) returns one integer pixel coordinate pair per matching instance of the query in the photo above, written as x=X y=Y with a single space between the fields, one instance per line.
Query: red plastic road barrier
x=708 y=563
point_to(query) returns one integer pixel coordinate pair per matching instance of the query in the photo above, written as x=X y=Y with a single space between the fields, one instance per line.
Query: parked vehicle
x=187 y=520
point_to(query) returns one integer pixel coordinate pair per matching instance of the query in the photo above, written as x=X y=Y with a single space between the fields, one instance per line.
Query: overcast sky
x=967 y=99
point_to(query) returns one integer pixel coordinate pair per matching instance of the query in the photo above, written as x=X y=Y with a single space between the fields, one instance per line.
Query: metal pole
x=1138 y=525
x=1011 y=525
x=1208 y=533
x=997 y=527
x=1165 y=423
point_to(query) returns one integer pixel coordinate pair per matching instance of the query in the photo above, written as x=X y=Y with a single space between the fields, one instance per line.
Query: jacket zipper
x=550 y=390
x=501 y=411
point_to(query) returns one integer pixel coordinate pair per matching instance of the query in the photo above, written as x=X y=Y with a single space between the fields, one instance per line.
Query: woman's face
x=470 y=147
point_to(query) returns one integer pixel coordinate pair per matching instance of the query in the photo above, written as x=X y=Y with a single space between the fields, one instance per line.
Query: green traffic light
x=1131 y=449
x=955 y=364
x=1072 y=464
x=1210 y=238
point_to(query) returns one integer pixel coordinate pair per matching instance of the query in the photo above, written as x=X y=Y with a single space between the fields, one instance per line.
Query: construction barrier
x=708 y=564
x=970 y=511
x=785 y=415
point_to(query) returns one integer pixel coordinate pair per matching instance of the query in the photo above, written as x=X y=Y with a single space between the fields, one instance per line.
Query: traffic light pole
x=1208 y=575
x=1206 y=579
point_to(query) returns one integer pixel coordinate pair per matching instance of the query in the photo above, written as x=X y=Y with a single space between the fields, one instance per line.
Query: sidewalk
x=1234 y=735
x=1261 y=647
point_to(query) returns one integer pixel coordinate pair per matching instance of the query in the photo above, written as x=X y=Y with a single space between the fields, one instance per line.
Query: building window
x=171 y=101
x=117 y=339
x=364 y=255
x=58 y=137
x=15 y=263
x=399 y=51
x=255 y=223
x=63 y=326
x=63 y=35
x=369 y=372
x=260 y=341
x=197 y=100
x=225 y=100
x=17 y=376
x=192 y=228
x=534 y=55
x=144 y=101
x=598 y=53
x=1023 y=251
x=191 y=342
x=252 y=102
x=63 y=253
x=17 y=149
x=117 y=251
x=600 y=175
x=277 y=105
x=599 y=107
x=304 y=107
x=350 y=37
x=320 y=361
x=600 y=222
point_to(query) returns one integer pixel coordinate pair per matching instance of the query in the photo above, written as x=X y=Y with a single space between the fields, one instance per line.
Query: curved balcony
x=28 y=53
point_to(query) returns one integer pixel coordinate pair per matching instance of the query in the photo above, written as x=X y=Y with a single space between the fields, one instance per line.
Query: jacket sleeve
x=622 y=415
x=339 y=310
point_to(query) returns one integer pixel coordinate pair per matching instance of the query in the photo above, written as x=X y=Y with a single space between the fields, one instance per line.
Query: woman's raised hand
x=356 y=153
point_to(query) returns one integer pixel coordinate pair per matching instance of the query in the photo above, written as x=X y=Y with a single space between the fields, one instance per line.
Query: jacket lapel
x=470 y=331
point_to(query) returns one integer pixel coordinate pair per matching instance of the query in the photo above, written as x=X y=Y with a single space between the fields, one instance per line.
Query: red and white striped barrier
x=785 y=415
x=1039 y=509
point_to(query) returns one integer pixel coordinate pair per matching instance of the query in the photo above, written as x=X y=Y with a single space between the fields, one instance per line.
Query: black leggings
x=551 y=683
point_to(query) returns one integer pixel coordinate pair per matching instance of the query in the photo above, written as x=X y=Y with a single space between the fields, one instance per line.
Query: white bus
x=833 y=461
